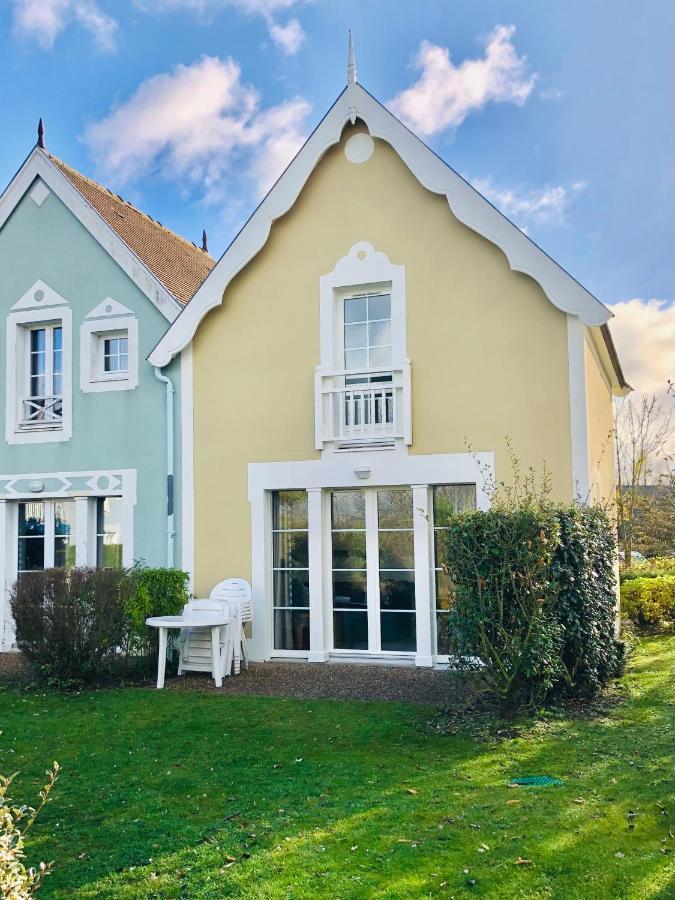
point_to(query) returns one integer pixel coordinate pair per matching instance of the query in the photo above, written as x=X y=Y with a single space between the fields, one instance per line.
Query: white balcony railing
x=42 y=411
x=363 y=407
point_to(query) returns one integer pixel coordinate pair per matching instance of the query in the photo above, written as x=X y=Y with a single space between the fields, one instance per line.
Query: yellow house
x=375 y=319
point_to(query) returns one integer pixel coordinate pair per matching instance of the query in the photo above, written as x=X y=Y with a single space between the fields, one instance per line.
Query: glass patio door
x=46 y=535
x=373 y=570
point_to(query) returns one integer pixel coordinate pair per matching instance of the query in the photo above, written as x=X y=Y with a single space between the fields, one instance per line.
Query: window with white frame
x=113 y=350
x=109 y=349
x=42 y=395
x=367 y=337
x=363 y=383
x=447 y=501
x=38 y=368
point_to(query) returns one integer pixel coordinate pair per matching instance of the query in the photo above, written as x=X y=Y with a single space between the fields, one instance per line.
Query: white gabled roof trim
x=39 y=165
x=470 y=207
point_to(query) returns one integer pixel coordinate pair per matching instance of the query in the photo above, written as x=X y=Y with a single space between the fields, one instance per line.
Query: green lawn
x=170 y=794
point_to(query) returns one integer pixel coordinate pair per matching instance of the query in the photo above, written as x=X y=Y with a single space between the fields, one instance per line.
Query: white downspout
x=170 y=532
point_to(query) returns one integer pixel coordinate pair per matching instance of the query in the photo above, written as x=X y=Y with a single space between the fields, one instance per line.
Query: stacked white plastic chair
x=195 y=648
x=236 y=592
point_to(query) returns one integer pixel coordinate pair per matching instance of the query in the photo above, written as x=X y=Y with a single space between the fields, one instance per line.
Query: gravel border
x=314 y=681
x=336 y=681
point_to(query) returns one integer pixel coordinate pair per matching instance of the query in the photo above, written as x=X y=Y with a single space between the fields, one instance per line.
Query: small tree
x=643 y=430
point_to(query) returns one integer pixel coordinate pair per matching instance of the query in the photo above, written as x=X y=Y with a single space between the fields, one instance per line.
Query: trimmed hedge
x=535 y=602
x=649 y=601
x=584 y=581
x=649 y=568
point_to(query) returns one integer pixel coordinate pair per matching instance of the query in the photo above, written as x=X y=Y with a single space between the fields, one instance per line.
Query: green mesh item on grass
x=536 y=781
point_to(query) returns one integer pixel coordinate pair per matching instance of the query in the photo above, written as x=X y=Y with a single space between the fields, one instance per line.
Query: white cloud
x=545 y=205
x=288 y=37
x=445 y=94
x=199 y=124
x=44 y=20
x=644 y=334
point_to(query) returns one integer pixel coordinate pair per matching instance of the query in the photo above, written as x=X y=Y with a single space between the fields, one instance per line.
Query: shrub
x=649 y=601
x=71 y=623
x=17 y=882
x=156 y=592
x=75 y=624
x=535 y=600
x=501 y=622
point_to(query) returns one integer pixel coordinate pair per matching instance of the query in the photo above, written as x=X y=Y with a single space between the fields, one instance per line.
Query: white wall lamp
x=363 y=472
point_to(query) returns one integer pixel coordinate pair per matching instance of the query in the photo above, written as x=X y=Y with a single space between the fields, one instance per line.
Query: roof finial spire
x=351 y=62
x=205 y=245
x=41 y=135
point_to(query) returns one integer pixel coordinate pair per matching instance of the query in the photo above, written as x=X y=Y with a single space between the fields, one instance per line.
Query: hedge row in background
x=535 y=600
x=649 y=601
x=649 y=568
x=75 y=624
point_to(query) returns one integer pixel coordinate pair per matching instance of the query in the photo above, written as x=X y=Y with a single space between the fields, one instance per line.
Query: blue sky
x=188 y=108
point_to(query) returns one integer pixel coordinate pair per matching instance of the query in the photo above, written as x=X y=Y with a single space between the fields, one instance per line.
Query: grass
x=170 y=794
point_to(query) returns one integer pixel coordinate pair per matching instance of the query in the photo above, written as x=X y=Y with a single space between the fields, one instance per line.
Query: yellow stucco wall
x=600 y=427
x=488 y=350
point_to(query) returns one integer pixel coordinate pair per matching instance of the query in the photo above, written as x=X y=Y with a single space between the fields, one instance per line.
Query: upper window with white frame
x=367 y=336
x=42 y=397
x=109 y=349
x=362 y=394
x=114 y=350
x=38 y=369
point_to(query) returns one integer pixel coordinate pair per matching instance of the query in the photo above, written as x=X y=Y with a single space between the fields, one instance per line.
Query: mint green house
x=91 y=460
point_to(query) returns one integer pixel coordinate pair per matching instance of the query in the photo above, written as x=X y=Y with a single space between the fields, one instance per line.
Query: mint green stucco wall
x=111 y=430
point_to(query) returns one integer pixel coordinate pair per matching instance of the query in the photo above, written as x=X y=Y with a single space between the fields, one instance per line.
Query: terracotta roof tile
x=178 y=264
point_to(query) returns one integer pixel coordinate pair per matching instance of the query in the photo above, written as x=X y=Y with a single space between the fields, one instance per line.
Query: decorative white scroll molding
x=466 y=203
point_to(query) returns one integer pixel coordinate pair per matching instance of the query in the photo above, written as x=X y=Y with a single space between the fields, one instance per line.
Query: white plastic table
x=214 y=621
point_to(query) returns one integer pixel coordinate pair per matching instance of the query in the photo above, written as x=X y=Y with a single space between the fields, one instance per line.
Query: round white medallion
x=359 y=148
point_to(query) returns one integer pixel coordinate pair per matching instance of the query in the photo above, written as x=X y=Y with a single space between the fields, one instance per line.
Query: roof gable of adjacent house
x=465 y=202
x=165 y=267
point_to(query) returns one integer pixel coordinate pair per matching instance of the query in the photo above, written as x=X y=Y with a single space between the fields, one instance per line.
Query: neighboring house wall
x=599 y=411
x=113 y=431
x=488 y=351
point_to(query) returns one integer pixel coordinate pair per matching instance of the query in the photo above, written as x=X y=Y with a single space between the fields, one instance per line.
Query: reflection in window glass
x=64 y=534
x=109 y=549
x=348 y=532
x=31 y=537
x=397 y=570
x=116 y=354
x=448 y=500
x=290 y=570
x=367 y=334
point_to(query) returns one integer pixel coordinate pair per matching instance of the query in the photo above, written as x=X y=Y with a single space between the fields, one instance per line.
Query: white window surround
x=361 y=270
x=39 y=305
x=108 y=319
x=334 y=471
x=90 y=485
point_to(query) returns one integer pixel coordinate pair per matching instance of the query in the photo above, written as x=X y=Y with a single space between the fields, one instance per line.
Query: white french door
x=373 y=571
